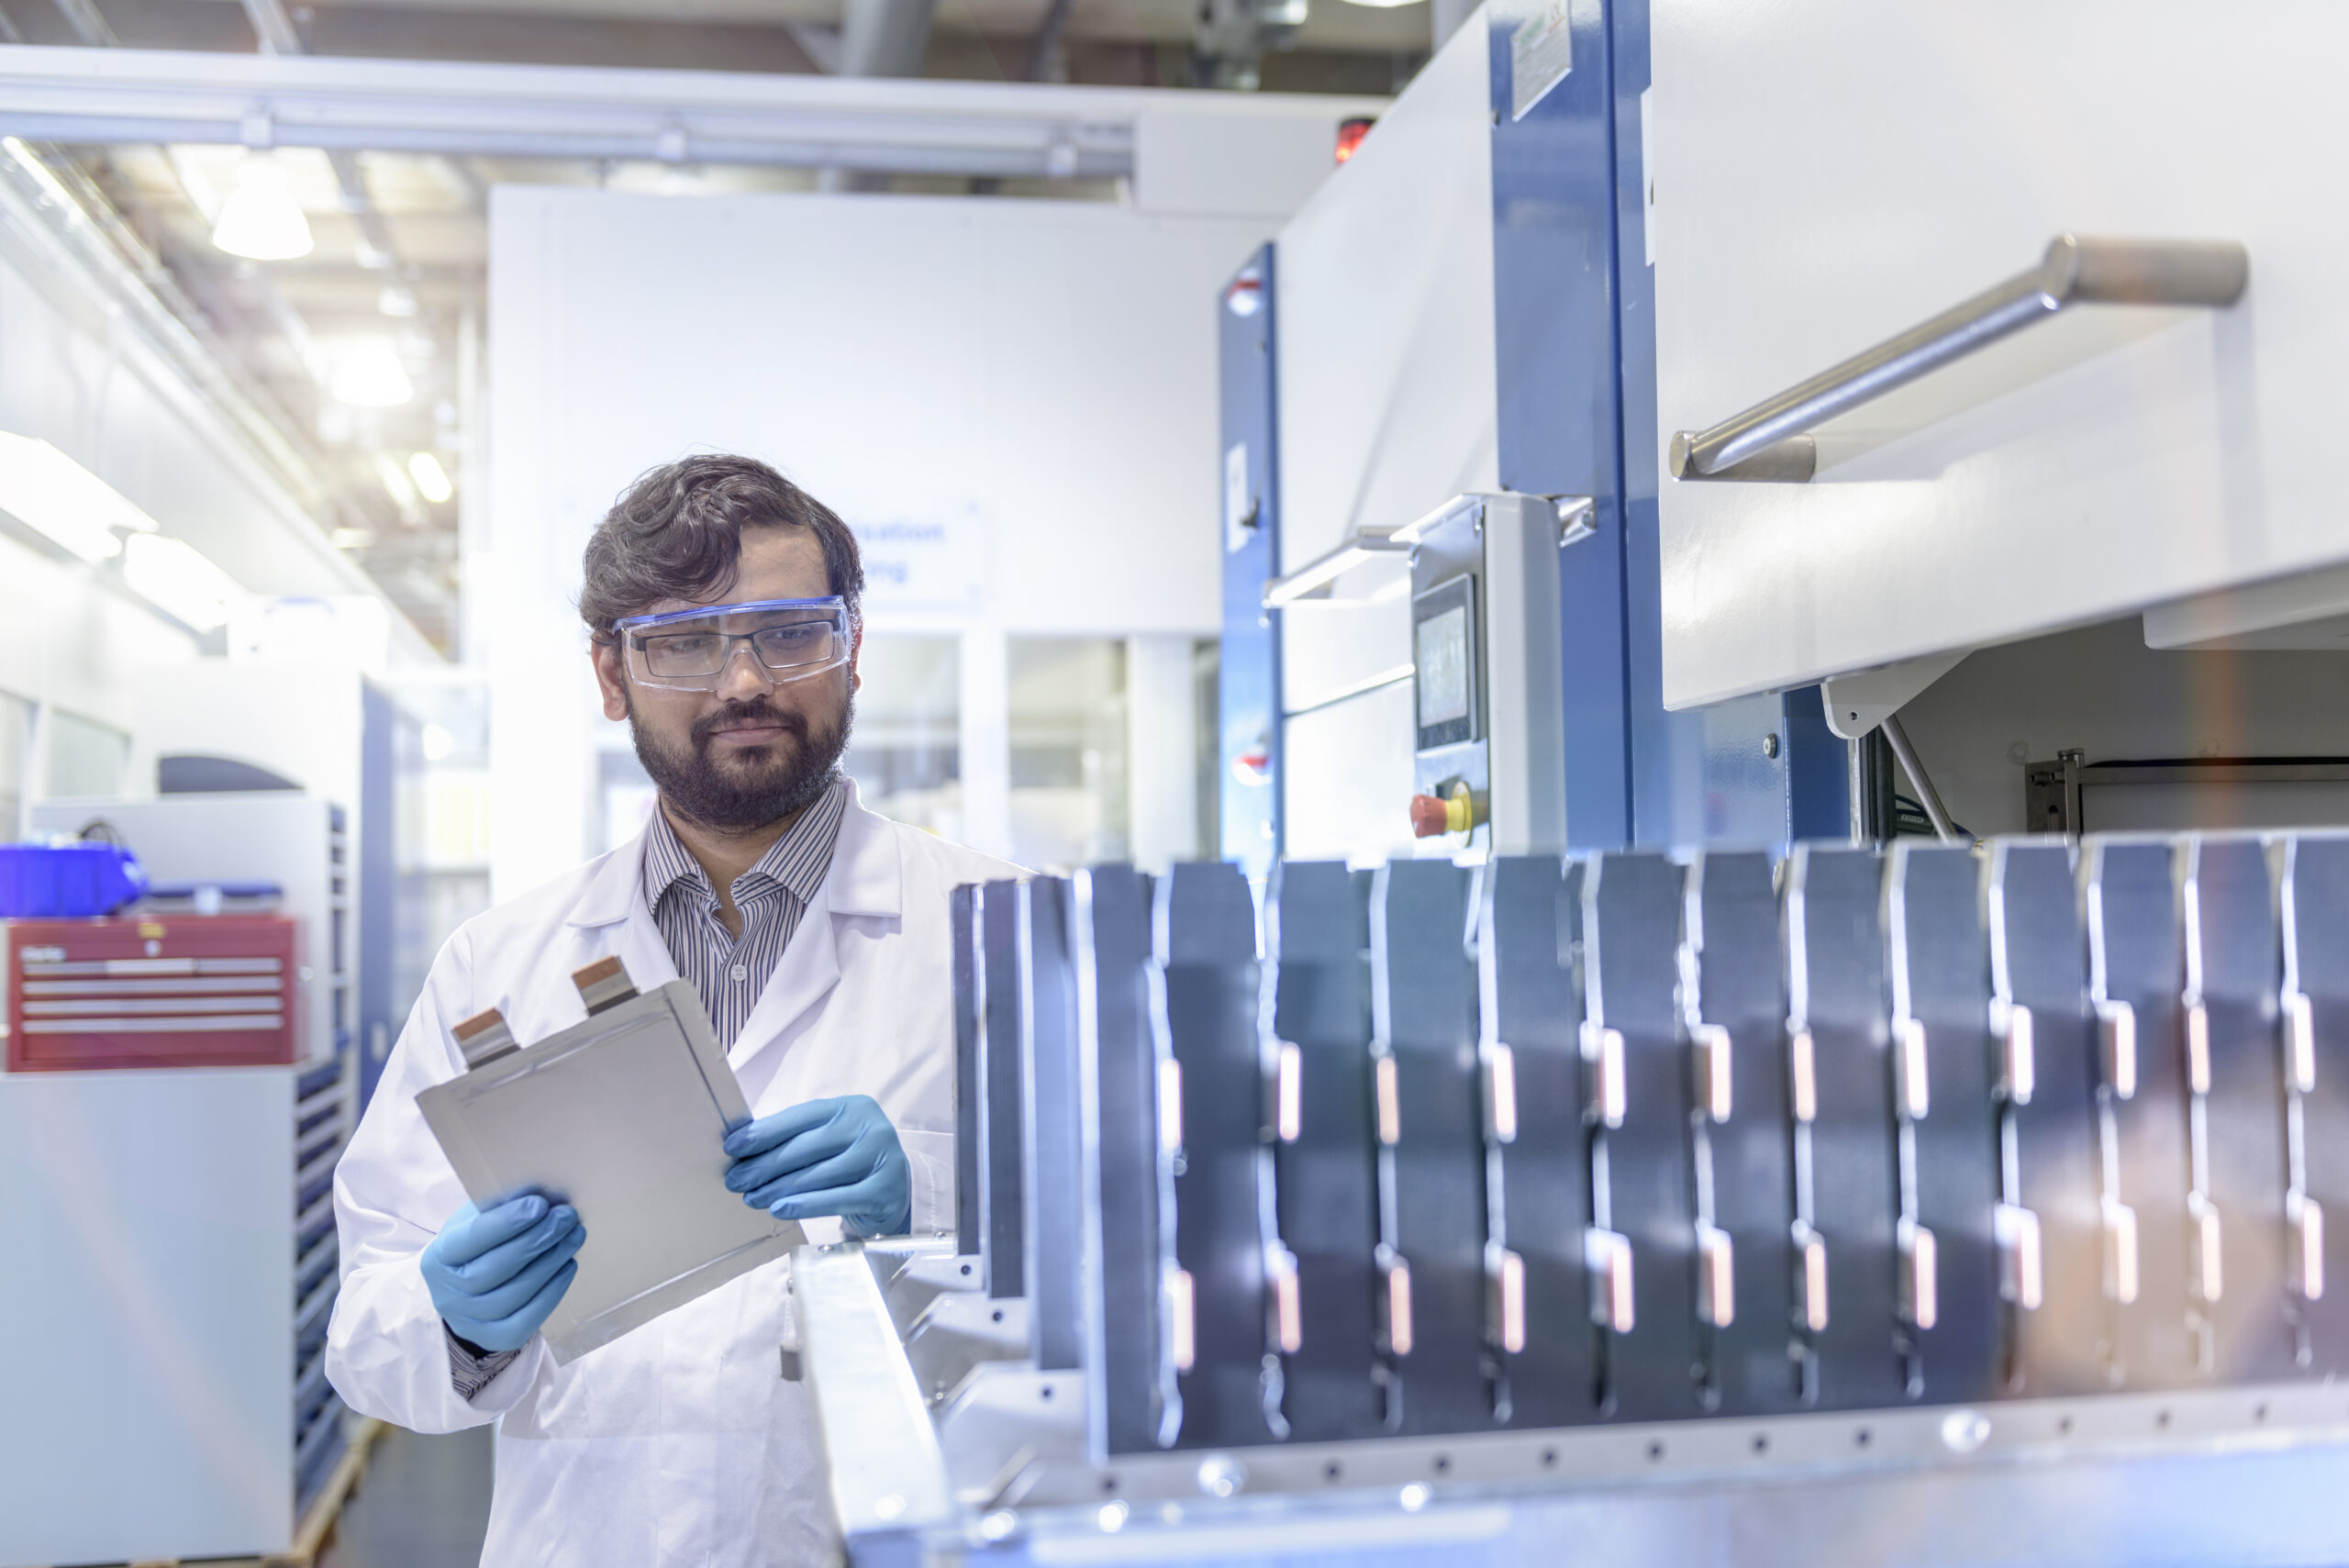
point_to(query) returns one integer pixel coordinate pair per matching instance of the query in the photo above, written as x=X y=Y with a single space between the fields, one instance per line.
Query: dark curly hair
x=676 y=533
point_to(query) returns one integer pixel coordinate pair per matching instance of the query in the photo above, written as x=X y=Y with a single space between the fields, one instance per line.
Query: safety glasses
x=688 y=650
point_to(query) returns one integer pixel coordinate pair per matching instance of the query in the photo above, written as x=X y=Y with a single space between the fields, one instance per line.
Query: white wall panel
x=1827 y=173
x=1044 y=370
x=146 y=1402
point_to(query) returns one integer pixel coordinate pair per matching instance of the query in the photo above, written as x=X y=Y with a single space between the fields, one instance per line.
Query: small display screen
x=1442 y=667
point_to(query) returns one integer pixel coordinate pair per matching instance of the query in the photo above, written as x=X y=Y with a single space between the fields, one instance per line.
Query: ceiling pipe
x=1047 y=60
x=884 y=38
x=878 y=37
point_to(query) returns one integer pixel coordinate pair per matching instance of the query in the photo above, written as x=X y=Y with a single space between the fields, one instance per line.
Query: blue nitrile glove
x=825 y=1157
x=496 y=1275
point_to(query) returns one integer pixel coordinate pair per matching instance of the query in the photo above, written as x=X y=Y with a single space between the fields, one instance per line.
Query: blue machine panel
x=1554 y=300
x=1573 y=298
x=1249 y=683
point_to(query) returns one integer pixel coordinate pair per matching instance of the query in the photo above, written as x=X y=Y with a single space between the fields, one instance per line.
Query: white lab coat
x=679 y=1443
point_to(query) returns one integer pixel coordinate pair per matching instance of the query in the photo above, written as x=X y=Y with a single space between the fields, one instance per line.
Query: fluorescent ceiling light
x=368 y=374
x=34 y=165
x=395 y=480
x=55 y=496
x=178 y=577
x=1316 y=578
x=431 y=479
x=260 y=221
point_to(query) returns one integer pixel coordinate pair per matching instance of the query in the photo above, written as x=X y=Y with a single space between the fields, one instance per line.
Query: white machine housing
x=1824 y=175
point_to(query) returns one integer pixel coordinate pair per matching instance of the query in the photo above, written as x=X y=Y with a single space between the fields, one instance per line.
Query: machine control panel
x=1488 y=735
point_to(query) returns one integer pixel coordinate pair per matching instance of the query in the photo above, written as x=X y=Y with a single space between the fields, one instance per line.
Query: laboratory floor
x=423 y=1503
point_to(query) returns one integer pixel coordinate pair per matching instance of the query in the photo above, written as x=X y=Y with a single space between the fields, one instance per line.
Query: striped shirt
x=727 y=971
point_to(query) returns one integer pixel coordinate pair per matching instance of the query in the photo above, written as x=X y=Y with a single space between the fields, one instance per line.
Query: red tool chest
x=204 y=991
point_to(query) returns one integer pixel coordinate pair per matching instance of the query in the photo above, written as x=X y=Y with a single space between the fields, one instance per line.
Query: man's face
x=754 y=750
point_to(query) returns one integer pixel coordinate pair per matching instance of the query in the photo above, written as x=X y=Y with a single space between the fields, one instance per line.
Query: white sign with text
x=923 y=558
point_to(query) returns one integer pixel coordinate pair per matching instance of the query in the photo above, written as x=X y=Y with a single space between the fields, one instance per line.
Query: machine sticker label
x=1541 y=53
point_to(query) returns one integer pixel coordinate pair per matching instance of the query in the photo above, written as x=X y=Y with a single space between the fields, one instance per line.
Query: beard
x=751 y=786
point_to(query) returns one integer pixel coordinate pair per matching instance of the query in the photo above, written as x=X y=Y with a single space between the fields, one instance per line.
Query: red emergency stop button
x=1427 y=815
x=1454 y=812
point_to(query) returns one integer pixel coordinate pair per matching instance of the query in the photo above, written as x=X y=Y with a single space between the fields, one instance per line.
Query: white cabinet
x=172 y=1262
x=1827 y=173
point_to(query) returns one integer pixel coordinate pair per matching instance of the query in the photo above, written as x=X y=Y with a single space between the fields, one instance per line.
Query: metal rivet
x=1770 y=744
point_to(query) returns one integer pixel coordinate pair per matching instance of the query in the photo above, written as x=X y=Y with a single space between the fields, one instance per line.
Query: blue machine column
x=1762 y=769
x=1248 y=683
x=1553 y=304
x=1574 y=340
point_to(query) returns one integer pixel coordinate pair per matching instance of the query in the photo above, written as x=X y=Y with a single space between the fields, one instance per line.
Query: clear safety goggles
x=688 y=650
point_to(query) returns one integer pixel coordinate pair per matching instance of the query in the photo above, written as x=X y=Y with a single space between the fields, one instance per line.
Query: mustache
x=761 y=712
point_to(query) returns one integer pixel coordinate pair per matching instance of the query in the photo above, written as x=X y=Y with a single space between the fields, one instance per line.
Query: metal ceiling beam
x=559 y=112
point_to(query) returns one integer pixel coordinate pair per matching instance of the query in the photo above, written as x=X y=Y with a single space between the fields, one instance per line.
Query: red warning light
x=1350 y=135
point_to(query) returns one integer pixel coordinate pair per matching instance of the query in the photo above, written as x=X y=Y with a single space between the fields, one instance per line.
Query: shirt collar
x=797 y=861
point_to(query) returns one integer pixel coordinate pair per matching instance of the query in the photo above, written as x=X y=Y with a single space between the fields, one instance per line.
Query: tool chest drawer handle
x=1770 y=441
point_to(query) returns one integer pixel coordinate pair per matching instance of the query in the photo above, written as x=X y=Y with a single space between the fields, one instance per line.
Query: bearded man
x=722 y=605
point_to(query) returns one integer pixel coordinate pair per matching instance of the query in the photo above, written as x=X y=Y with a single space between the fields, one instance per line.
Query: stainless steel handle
x=1769 y=441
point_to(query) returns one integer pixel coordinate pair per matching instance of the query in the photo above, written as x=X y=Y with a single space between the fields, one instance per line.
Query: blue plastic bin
x=56 y=882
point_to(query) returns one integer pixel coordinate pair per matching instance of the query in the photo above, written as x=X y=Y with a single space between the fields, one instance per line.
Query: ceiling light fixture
x=397 y=301
x=431 y=479
x=395 y=480
x=368 y=374
x=260 y=221
x=57 y=497
x=181 y=579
